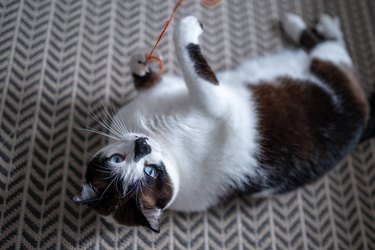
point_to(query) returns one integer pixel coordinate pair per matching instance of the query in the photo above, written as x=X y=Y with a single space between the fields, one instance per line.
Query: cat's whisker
x=122 y=125
x=113 y=122
x=115 y=119
x=129 y=192
x=95 y=131
x=97 y=114
x=109 y=185
x=97 y=117
x=98 y=132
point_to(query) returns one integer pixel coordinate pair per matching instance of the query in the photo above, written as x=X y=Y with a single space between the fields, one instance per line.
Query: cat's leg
x=144 y=76
x=327 y=29
x=333 y=49
x=204 y=90
x=331 y=63
x=296 y=29
x=329 y=58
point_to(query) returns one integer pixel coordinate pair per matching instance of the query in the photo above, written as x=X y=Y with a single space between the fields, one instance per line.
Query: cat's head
x=129 y=181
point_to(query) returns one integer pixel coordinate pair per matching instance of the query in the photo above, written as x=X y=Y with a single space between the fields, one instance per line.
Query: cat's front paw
x=188 y=31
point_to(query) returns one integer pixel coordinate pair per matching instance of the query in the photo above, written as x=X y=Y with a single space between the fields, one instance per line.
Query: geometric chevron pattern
x=62 y=60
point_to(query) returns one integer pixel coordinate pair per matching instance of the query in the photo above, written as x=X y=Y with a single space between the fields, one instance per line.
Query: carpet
x=61 y=58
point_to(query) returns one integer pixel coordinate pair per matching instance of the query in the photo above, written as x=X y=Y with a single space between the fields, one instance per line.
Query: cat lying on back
x=267 y=127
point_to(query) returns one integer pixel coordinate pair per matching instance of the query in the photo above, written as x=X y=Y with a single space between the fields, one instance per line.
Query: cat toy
x=151 y=57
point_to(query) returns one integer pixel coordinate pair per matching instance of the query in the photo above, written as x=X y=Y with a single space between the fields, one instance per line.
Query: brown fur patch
x=147 y=81
x=288 y=111
x=303 y=132
x=343 y=81
x=128 y=213
x=153 y=196
x=201 y=66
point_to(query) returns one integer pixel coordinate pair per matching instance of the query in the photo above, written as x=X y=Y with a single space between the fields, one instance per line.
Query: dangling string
x=151 y=57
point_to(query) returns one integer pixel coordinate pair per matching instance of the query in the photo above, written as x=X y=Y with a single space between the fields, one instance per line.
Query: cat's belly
x=290 y=63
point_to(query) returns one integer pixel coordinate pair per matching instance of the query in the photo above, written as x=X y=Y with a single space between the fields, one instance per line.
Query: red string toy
x=151 y=57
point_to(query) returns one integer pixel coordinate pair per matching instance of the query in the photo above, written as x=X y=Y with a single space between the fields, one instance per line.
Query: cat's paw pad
x=188 y=31
x=293 y=25
x=138 y=64
x=329 y=27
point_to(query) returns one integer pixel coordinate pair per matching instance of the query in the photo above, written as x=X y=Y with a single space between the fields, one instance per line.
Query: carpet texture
x=60 y=59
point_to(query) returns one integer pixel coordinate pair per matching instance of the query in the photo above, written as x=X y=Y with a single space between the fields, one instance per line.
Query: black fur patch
x=201 y=66
x=310 y=38
x=147 y=81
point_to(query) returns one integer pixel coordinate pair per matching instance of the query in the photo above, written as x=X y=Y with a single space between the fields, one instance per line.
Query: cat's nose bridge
x=141 y=148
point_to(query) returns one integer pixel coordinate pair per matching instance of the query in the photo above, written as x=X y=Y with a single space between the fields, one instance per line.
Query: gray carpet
x=60 y=58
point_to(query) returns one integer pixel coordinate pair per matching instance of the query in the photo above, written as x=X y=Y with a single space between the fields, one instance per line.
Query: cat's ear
x=88 y=196
x=150 y=211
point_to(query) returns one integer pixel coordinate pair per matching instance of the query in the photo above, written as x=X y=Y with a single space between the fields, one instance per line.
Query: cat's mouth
x=141 y=148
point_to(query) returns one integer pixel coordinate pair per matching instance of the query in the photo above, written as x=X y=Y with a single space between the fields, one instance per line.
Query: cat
x=267 y=127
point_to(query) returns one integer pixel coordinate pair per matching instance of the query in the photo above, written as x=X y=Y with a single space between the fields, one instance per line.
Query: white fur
x=332 y=51
x=293 y=26
x=330 y=28
x=202 y=93
x=207 y=134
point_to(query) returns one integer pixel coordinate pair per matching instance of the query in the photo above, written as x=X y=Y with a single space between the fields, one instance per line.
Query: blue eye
x=151 y=171
x=116 y=158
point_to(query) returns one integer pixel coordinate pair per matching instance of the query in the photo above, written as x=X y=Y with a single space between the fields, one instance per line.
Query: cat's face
x=128 y=181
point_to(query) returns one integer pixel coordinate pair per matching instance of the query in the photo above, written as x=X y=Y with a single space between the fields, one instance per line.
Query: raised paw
x=329 y=27
x=293 y=25
x=188 y=31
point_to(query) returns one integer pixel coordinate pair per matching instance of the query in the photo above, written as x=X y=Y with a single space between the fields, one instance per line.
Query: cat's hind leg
x=330 y=61
x=333 y=49
x=324 y=41
x=332 y=64
x=297 y=30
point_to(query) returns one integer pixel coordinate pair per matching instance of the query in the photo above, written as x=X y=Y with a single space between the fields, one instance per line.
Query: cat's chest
x=168 y=98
